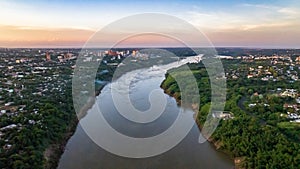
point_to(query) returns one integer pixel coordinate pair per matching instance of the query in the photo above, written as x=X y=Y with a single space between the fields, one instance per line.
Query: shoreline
x=237 y=161
x=54 y=151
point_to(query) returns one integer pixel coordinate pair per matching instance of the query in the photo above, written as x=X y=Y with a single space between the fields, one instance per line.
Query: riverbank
x=55 y=150
x=254 y=135
x=82 y=113
x=216 y=144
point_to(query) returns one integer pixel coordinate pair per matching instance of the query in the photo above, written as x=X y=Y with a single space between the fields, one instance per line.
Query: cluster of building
x=279 y=68
x=294 y=117
x=224 y=115
x=32 y=74
x=292 y=109
x=272 y=68
x=28 y=75
x=289 y=93
x=273 y=73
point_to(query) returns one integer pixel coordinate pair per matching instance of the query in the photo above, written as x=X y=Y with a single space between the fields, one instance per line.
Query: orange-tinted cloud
x=14 y=36
x=258 y=36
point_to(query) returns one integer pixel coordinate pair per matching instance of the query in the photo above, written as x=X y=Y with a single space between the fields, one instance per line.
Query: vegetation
x=29 y=140
x=43 y=116
x=260 y=136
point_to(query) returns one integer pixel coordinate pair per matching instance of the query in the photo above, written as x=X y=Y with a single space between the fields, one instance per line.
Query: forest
x=256 y=137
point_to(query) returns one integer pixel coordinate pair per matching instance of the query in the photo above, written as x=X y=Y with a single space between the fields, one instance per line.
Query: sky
x=70 y=23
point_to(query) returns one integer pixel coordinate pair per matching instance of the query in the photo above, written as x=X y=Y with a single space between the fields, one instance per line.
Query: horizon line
x=137 y=47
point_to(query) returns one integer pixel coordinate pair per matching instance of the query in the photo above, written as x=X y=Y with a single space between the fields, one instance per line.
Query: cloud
x=265 y=26
x=250 y=25
x=290 y=12
x=35 y=24
x=263 y=6
x=245 y=17
x=18 y=36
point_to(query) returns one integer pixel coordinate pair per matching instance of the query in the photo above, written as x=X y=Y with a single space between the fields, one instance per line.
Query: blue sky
x=226 y=23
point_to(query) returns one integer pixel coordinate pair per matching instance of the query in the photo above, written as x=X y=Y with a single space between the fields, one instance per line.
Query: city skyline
x=233 y=23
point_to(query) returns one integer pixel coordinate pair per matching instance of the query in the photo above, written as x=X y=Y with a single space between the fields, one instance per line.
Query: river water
x=82 y=153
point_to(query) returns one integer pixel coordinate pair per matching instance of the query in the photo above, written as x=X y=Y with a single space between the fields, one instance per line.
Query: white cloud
x=290 y=12
x=246 y=17
x=263 y=6
x=265 y=25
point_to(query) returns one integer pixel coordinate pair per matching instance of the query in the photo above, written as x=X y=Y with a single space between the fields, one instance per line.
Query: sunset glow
x=71 y=23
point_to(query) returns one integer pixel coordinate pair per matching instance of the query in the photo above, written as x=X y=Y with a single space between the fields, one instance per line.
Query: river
x=82 y=153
